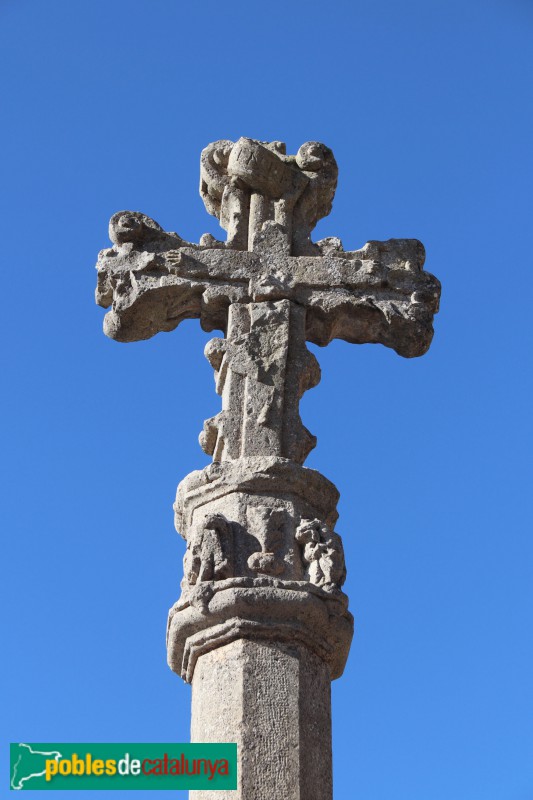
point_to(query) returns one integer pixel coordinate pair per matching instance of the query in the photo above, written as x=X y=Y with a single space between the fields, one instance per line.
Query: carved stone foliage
x=322 y=553
x=269 y=527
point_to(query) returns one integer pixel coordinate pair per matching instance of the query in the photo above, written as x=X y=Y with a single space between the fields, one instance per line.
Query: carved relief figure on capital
x=248 y=183
x=209 y=554
x=322 y=554
x=268 y=525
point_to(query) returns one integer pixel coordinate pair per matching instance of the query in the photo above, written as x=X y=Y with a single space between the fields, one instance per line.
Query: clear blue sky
x=428 y=108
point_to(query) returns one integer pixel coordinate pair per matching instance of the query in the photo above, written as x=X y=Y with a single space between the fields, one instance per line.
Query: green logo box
x=123 y=766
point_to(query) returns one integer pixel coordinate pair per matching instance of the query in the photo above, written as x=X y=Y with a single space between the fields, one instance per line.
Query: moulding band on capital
x=256 y=475
x=266 y=609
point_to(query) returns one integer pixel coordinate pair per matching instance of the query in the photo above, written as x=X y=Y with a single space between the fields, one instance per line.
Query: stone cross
x=262 y=625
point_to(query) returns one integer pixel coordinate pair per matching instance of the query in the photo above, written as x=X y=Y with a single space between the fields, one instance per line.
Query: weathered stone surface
x=209 y=554
x=213 y=613
x=262 y=624
x=266 y=524
x=379 y=294
x=276 y=479
x=248 y=183
x=323 y=553
x=272 y=699
x=263 y=359
x=252 y=530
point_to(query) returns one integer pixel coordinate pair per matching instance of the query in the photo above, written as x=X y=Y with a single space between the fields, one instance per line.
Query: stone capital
x=262 y=562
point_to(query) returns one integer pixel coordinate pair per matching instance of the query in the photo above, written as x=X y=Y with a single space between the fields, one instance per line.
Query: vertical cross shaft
x=262 y=625
x=262 y=369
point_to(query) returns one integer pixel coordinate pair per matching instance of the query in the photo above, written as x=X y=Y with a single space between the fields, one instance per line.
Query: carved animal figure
x=209 y=554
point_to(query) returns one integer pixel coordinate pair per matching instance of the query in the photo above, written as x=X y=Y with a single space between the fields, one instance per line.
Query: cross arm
x=150 y=280
x=153 y=280
x=379 y=294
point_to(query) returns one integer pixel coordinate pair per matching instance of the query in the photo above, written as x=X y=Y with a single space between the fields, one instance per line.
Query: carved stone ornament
x=263 y=567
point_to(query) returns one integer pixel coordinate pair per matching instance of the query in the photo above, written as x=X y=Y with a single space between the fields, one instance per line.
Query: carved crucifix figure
x=269 y=623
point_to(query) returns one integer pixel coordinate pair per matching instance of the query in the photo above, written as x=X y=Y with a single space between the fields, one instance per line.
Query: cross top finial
x=248 y=183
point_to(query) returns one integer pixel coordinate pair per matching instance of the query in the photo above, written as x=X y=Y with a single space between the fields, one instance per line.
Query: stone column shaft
x=274 y=701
